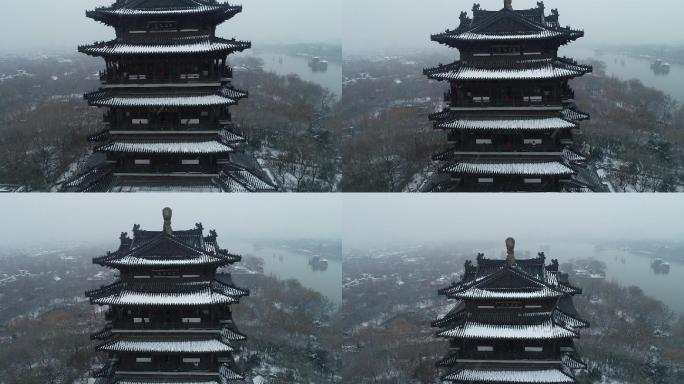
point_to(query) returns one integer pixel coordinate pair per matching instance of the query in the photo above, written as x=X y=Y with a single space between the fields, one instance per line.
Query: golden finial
x=166 y=213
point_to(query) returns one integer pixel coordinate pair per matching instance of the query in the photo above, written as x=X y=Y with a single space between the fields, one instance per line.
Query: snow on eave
x=475 y=330
x=161 y=101
x=532 y=124
x=199 y=147
x=477 y=293
x=128 y=261
x=527 y=69
x=553 y=168
x=166 y=346
x=192 y=45
x=166 y=11
x=117 y=294
x=510 y=376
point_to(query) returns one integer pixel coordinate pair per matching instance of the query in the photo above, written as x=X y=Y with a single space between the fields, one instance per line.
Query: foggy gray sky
x=37 y=25
x=387 y=25
x=358 y=218
x=410 y=218
x=44 y=218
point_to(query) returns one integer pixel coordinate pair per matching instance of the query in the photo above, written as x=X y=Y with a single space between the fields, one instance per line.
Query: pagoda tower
x=511 y=115
x=167 y=92
x=513 y=322
x=169 y=316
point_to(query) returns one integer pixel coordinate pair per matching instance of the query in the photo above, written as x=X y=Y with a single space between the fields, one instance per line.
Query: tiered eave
x=511 y=120
x=168 y=317
x=513 y=322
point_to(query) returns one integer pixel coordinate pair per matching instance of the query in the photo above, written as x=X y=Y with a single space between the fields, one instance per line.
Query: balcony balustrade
x=112 y=78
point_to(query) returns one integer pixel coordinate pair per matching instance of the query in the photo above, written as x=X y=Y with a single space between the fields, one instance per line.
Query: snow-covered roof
x=551 y=168
x=106 y=100
x=174 y=295
x=226 y=181
x=123 y=187
x=181 y=45
x=474 y=36
x=534 y=281
x=180 y=248
x=506 y=25
x=229 y=334
x=573 y=156
x=224 y=375
x=510 y=376
x=572 y=363
x=138 y=381
x=242 y=180
x=573 y=114
x=509 y=70
x=164 y=147
x=507 y=124
x=149 y=262
x=229 y=374
x=559 y=317
x=163 y=11
x=230 y=137
x=201 y=297
x=513 y=293
x=165 y=345
x=475 y=330
x=12 y=188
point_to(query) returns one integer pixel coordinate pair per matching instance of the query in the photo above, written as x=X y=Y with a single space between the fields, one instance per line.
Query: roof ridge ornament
x=167 y=213
x=508 y=4
x=212 y=236
x=510 y=248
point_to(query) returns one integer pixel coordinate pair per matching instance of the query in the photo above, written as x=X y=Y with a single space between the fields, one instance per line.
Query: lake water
x=286 y=263
x=287 y=64
x=628 y=268
x=634 y=68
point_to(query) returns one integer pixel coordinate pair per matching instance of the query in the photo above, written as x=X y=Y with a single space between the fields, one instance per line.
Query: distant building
x=513 y=322
x=167 y=92
x=511 y=113
x=169 y=317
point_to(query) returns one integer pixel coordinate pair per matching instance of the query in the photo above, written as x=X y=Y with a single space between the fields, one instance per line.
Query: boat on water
x=318 y=263
x=660 y=267
x=318 y=65
x=660 y=67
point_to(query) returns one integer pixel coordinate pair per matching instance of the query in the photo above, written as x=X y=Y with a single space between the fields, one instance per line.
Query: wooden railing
x=174 y=77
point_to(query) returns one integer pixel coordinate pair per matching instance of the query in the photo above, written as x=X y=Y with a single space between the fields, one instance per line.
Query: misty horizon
x=377 y=27
x=409 y=27
x=62 y=26
x=101 y=218
x=409 y=220
x=359 y=220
